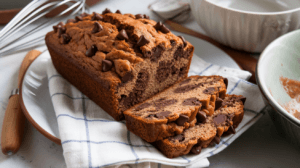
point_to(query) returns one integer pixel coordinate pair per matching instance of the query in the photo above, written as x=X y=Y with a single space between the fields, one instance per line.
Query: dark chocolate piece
x=243 y=99
x=91 y=51
x=161 y=27
x=146 y=16
x=142 y=41
x=78 y=18
x=218 y=104
x=182 y=119
x=61 y=30
x=191 y=102
x=97 y=27
x=106 y=11
x=216 y=140
x=156 y=54
x=127 y=77
x=226 y=82
x=201 y=117
x=118 y=11
x=106 y=65
x=96 y=16
x=162 y=114
x=187 y=88
x=185 y=81
x=65 y=39
x=142 y=106
x=139 y=16
x=196 y=149
x=210 y=90
x=220 y=119
x=122 y=35
x=183 y=40
x=231 y=130
x=71 y=21
x=164 y=103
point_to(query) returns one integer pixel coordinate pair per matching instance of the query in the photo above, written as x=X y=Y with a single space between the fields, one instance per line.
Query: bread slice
x=175 y=109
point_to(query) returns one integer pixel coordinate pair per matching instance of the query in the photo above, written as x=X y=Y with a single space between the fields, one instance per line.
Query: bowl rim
x=263 y=88
x=255 y=13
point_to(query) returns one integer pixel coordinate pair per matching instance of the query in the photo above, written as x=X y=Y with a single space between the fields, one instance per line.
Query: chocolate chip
x=65 y=39
x=162 y=114
x=55 y=28
x=142 y=41
x=183 y=40
x=173 y=42
x=178 y=53
x=118 y=11
x=122 y=35
x=106 y=65
x=61 y=30
x=97 y=27
x=96 y=16
x=185 y=81
x=78 y=18
x=231 y=130
x=191 y=102
x=71 y=21
x=139 y=16
x=142 y=106
x=91 y=51
x=182 y=119
x=201 y=117
x=219 y=119
x=161 y=27
x=218 y=103
x=243 y=99
x=226 y=81
x=216 y=140
x=146 y=17
x=187 y=88
x=178 y=137
x=156 y=54
x=106 y=11
x=84 y=14
x=210 y=90
x=127 y=77
x=196 y=149
x=163 y=103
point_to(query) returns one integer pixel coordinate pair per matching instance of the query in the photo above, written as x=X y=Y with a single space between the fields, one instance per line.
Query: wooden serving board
x=243 y=59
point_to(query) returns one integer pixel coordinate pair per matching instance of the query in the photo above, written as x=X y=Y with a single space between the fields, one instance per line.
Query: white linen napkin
x=92 y=138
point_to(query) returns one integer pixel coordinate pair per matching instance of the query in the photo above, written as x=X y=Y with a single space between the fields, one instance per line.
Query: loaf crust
x=193 y=139
x=114 y=70
x=172 y=111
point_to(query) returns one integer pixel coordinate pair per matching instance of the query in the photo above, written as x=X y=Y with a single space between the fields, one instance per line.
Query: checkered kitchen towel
x=92 y=138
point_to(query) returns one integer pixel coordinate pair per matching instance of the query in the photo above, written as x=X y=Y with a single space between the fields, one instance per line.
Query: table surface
x=260 y=146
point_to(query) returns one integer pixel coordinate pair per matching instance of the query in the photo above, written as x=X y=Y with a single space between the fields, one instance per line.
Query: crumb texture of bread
x=118 y=60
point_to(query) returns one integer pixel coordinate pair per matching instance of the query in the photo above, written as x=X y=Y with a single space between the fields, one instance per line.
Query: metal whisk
x=34 y=12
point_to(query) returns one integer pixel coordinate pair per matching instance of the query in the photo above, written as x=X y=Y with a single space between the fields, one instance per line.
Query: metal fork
x=34 y=12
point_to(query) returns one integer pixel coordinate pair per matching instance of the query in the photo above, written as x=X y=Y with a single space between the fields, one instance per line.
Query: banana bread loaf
x=118 y=60
x=174 y=109
x=208 y=129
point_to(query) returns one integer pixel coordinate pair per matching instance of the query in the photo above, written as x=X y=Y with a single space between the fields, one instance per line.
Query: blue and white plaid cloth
x=91 y=138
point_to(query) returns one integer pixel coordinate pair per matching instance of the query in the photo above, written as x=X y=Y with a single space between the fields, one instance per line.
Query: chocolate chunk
x=61 y=30
x=142 y=41
x=127 y=77
x=187 y=88
x=216 y=140
x=178 y=53
x=55 y=29
x=196 y=149
x=220 y=119
x=146 y=17
x=162 y=114
x=106 y=11
x=91 y=51
x=182 y=119
x=183 y=40
x=142 y=106
x=173 y=42
x=191 y=102
x=141 y=81
x=139 y=16
x=84 y=14
x=65 y=39
x=201 y=117
x=156 y=54
x=243 y=99
x=226 y=82
x=96 y=16
x=231 y=130
x=163 y=71
x=78 y=18
x=161 y=27
x=164 y=103
x=71 y=21
x=106 y=65
x=97 y=27
x=178 y=137
x=210 y=90
x=118 y=11
x=122 y=35
x=185 y=81
x=218 y=104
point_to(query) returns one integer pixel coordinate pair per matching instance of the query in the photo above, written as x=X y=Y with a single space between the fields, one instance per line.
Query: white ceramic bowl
x=280 y=58
x=248 y=25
